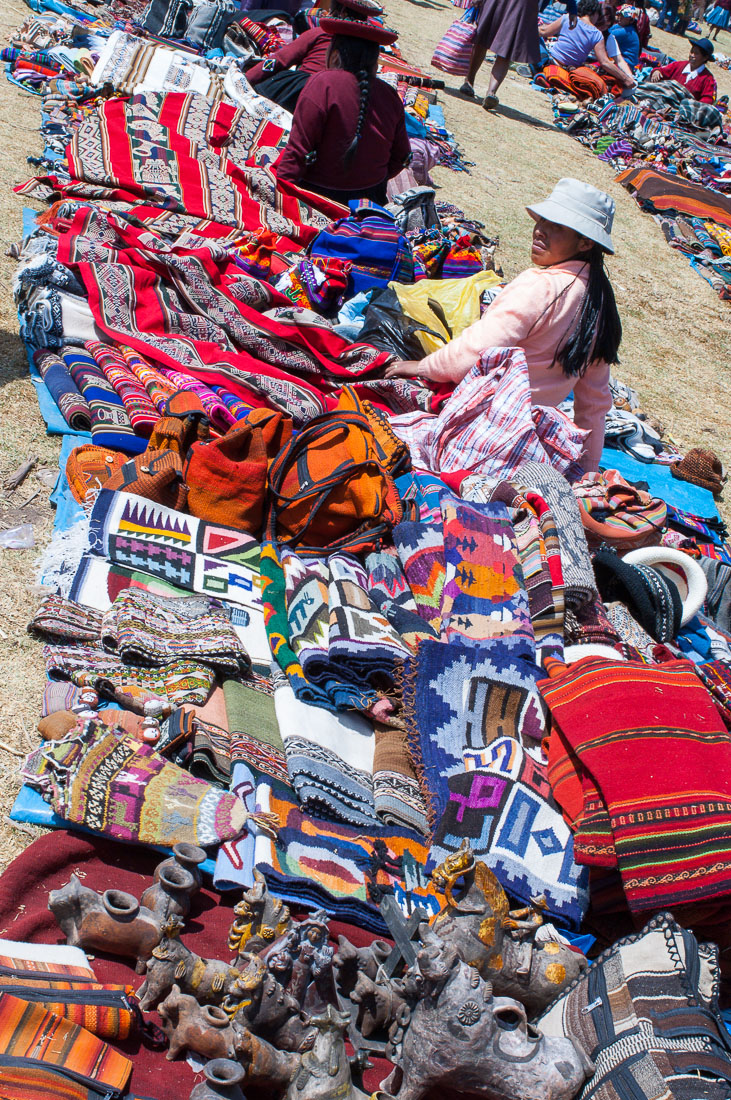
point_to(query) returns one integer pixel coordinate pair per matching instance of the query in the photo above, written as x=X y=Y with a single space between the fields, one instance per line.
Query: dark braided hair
x=598 y=331
x=360 y=57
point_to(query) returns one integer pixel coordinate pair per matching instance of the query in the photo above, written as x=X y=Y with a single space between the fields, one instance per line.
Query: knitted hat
x=368 y=29
x=680 y=570
x=701 y=467
x=718 y=604
x=654 y=601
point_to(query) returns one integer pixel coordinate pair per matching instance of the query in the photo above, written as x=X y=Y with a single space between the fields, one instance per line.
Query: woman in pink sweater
x=562 y=313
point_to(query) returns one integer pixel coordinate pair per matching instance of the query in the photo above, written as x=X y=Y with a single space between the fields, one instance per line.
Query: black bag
x=388 y=328
x=167 y=18
x=208 y=23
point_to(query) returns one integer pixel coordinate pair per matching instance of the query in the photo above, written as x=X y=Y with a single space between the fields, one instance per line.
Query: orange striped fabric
x=660 y=191
x=30 y=1031
x=106 y=1013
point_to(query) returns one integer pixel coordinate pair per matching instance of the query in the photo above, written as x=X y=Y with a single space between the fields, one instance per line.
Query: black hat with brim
x=704 y=44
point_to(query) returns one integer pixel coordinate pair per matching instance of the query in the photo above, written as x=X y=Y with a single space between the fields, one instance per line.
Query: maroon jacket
x=702 y=86
x=308 y=53
x=324 y=123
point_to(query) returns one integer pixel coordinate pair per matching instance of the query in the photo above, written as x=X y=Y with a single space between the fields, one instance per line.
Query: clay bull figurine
x=113 y=921
x=459 y=1036
x=513 y=949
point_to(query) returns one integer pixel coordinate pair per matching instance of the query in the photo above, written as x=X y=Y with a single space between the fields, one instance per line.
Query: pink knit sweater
x=535 y=312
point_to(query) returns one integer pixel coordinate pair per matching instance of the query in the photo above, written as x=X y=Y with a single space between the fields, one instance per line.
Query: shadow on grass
x=13 y=359
x=506 y=112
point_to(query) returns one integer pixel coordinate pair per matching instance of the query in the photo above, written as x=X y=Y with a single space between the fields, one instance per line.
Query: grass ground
x=675 y=350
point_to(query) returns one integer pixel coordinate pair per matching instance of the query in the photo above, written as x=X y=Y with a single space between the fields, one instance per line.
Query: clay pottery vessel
x=190 y=856
x=113 y=921
x=171 y=892
x=222 y=1080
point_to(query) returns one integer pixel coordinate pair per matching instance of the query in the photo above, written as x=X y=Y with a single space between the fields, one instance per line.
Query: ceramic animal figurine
x=114 y=921
x=512 y=949
x=459 y=1036
x=204 y=1029
x=264 y=1064
x=259 y=1003
x=350 y=961
x=171 y=962
x=171 y=892
x=259 y=919
x=190 y=856
x=175 y=882
x=324 y=1072
x=379 y=1005
x=320 y=1073
x=222 y=1080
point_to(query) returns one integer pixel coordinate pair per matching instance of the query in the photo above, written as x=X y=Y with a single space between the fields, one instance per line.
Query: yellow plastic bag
x=458 y=302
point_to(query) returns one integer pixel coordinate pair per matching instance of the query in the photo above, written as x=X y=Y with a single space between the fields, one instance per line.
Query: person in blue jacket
x=625 y=32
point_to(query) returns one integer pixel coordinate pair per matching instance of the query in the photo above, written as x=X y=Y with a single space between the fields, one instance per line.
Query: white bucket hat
x=581 y=207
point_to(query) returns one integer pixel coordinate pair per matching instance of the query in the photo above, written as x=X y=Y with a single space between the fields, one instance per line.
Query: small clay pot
x=190 y=856
x=222 y=1080
x=120 y=905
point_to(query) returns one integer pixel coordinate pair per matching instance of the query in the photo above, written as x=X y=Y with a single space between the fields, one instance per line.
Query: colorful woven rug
x=187 y=552
x=458 y=699
x=484 y=589
x=503 y=806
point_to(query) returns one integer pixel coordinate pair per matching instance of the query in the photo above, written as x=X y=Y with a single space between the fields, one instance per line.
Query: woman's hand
x=406 y=368
x=655 y=76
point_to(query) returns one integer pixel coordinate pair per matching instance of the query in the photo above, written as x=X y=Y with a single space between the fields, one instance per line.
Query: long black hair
x=598 y=330
x=360 y=57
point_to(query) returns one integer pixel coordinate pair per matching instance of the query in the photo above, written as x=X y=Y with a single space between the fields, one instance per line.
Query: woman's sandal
x=467 y=90
x=490 y=102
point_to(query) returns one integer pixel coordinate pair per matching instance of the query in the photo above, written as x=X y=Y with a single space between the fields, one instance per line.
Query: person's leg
x=499 y=71
x=479 y=51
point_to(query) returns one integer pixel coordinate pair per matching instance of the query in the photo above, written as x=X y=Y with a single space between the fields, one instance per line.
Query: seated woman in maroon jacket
x=282 y=76
x=349 y=132
x=693 y=75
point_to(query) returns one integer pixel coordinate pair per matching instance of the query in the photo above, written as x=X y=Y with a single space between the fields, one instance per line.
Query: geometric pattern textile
x=646 y=1013
x=505 y=809
x=201 y=557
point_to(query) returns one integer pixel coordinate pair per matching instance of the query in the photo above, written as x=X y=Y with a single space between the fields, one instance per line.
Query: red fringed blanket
x=640 y=763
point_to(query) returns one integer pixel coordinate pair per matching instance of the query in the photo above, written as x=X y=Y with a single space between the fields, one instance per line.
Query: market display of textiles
x=374 y=726
x=672 y=153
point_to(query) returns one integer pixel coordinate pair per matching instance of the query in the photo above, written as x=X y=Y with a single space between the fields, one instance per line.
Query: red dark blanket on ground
x=640 y=762
x=49 y=863
x=187 y=163
x=193 y=308
x=660 y=191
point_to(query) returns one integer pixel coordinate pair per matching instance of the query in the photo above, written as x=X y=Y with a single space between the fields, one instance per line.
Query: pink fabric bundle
x=489 y=426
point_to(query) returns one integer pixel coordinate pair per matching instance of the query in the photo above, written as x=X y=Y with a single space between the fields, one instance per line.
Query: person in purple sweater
x=348 y=135
x=282 y=76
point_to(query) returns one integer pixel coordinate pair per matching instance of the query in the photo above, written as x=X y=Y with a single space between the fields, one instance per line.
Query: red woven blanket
x=640 y=763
